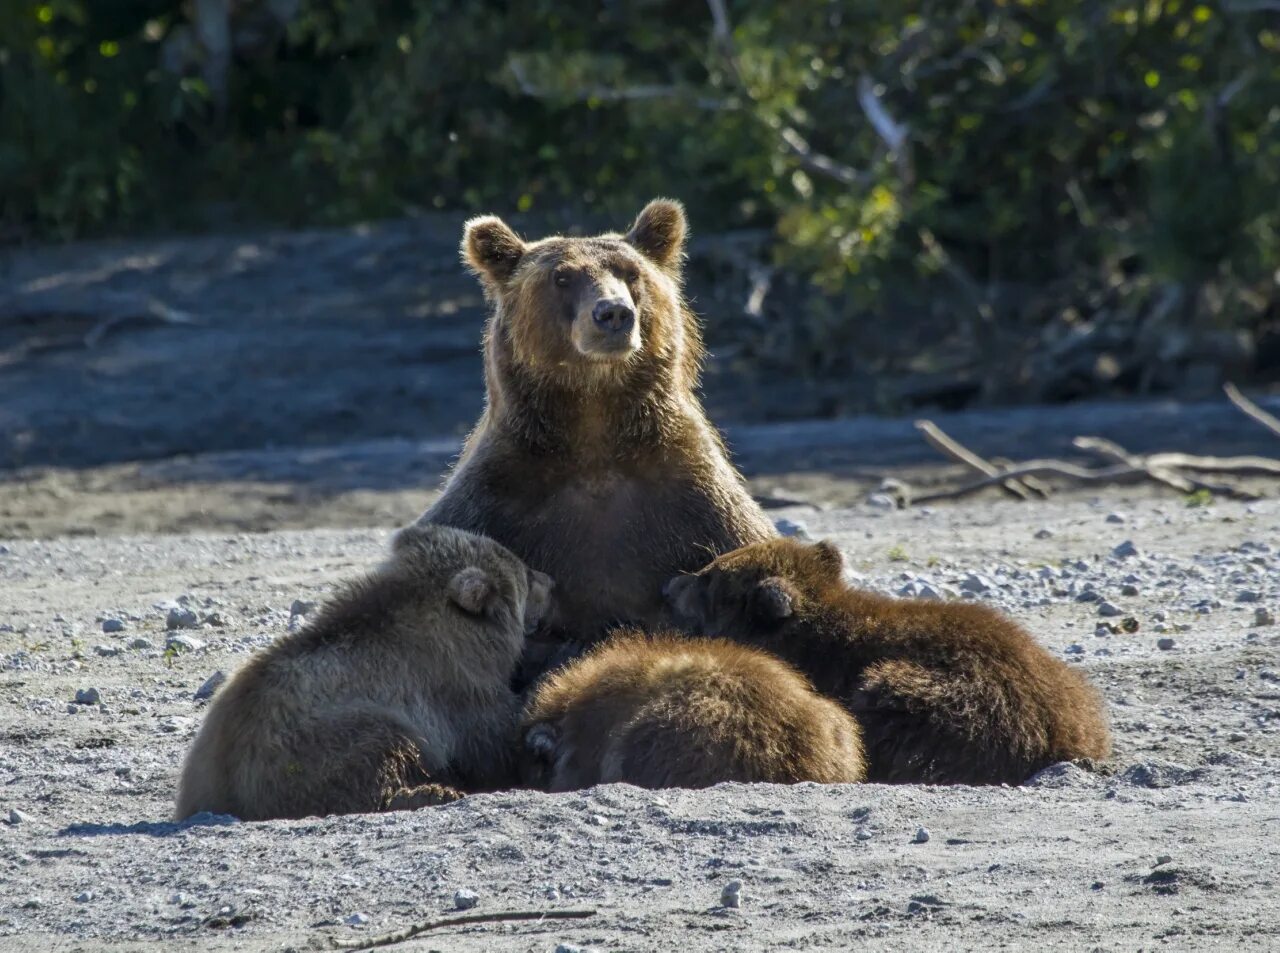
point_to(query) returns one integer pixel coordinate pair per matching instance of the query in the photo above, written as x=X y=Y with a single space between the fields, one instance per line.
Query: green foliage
x=1062 y=159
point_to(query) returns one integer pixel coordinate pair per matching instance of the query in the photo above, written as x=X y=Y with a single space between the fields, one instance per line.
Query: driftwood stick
x=1164 y=467
x=1117 y=454
x=408 y=933
x=1043 y=468
x=947 y=446
x=1267 y=420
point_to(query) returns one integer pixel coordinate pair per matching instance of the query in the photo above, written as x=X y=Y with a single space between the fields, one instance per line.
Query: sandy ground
x=1169 y=846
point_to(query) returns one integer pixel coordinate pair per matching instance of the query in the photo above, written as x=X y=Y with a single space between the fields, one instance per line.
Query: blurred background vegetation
x=1010 y=199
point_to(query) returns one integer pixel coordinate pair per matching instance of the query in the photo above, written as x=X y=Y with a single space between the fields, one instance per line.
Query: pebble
x=1108 y=610
x=976 y=584
x=1163 y=859
x=301 y=607
x=570 y=948
x=211 y=685
x=16 y=817
x=1165 y=644
x=1116 y=518
x=921 y=836
x=731 y=895
x=1044 y=533
x=33 y=903
x=177 y=899
x=88 y=696
x=1248 y=595
x=465 y=899
x=1103 y=629
x=181 y=618
x=1075 y=649
x=356 y=920
x=182 y=643
x=1263 y=616
x=112 y=625
x=1125 y=550
x=864 y=834
x=84 y=896
x=792 y=528
x=106 y=651
x=140 y=643
x=1128 y=589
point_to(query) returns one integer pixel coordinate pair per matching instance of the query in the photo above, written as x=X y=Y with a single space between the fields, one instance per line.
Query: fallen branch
x=1267 y=420
x=1040 y=468
x=957 y=451
x=408 y=933
x=1163 y=467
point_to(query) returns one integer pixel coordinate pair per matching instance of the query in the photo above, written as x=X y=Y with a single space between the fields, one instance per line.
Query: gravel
x=829 y=867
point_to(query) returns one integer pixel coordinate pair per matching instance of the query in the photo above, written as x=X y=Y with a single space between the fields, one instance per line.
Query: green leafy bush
x=1078 y=182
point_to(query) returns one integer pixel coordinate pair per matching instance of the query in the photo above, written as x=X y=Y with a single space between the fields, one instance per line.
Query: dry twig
x=957 y=451
x=408 y=933
x=1267 y=420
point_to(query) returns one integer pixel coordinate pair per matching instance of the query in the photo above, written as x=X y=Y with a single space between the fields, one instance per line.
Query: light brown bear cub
x=396 y=696
x=666 y=711
x=946 y=693
x=594 y=460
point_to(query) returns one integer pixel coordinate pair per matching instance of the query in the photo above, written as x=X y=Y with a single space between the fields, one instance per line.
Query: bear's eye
x=561 y=278
x=631 y=277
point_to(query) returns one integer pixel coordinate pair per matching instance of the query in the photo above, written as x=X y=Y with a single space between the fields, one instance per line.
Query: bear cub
x=396 y=696
x=665 y=711
x=946 y=693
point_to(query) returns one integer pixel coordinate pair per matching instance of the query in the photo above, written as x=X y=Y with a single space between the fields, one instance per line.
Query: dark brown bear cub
x=946 y=693
x=594 y=460
x=666 y=711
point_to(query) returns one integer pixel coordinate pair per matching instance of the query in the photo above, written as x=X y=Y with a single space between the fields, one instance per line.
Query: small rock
x=1128 y=589
x=216 y=619
x=731 y=895
x=32 y=903
x=1116 y=518
x=181 y=618
x=1075 y=649
x=211 y=685
x=112 y=625
x=140 y=643
x=792 y=528
x=1125 y=550
x=301 y=607
x=88 y=696
x=864 y=834
x=1163 y=859
x=1165 y=644
x=570 y=948
x=356 y=920
x=1159 y=627
x=921 y=836
x=882 y=501
x=1108 y=610
x=1044 y=533
x=1248 y=595
x=1129 y=624
x=976 y=584
x=73 y=708
x=177 y=899
x=465 y=899
x=182 y=643
x=16 y=817
x=1263 y=616
x=84 y=896
x=107 y=651
x=1103 y=629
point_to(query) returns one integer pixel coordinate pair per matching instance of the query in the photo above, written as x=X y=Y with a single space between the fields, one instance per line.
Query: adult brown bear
x=594 y=460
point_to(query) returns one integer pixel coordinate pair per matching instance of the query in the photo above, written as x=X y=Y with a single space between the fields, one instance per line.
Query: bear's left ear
x=829 y=557
x=471 y=590
x=773 y=599
x=659 y=233
x=491 y=249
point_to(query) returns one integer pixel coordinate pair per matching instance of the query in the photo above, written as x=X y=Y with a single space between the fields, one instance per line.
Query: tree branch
x=410 y=932
x=1267 y=420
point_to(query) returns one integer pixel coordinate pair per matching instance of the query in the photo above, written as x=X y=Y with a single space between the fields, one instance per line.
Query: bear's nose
x=613 y=315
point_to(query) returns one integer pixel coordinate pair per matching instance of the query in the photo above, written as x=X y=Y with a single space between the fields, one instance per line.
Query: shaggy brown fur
x=945 y=692
x=666 y=711
x=397 y=695
x=594 y=460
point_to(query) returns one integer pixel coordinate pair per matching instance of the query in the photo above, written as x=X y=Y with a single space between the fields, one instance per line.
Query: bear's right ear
x=491 y=249
x=471 y=590
x=773 y=600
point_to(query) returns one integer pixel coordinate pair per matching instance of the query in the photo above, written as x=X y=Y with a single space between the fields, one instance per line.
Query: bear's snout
x=613 y=315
